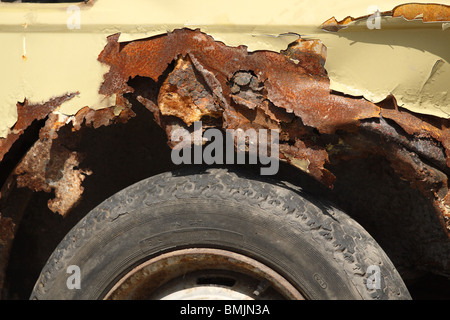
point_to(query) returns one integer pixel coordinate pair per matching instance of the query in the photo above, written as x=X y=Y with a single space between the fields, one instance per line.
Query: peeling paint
x=269 y=90
x=429 y=12
x=53 y=164
x=298 y=83
x=270 y=27
x=415 y=67
x=337 y=91
x=27 y=113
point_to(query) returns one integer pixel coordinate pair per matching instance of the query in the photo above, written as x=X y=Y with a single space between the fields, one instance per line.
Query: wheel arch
x=69 y=153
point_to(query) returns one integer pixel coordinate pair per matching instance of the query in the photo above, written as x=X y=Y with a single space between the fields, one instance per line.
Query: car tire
x=306 y=247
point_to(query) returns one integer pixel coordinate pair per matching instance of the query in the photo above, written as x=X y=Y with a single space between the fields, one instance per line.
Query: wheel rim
x=202 y=274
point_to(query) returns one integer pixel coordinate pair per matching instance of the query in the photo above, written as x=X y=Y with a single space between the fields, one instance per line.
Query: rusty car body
x=348 y=85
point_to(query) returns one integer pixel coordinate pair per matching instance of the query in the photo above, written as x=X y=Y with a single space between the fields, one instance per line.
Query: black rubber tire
x=323 y=252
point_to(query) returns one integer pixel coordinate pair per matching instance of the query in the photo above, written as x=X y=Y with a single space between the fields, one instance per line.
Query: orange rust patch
x=427 y=12
x=27 y=113
x=333 y=25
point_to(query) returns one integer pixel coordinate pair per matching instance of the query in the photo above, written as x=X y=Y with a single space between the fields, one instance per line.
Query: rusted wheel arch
x=294 y=98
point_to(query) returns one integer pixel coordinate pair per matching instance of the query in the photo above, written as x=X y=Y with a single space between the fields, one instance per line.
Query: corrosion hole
x=20 y=148
x=147 y=87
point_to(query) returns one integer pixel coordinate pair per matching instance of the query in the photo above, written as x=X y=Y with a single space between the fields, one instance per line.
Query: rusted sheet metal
x=183 y=97
x=229 y=87
x=201 y=79
x=48 y=166
x=103 y=117
x=288 y=85
x=27 y=113
x=428 y=12
x=52 y=164
x=333 y=25
x=310 y=54
x=422 y=126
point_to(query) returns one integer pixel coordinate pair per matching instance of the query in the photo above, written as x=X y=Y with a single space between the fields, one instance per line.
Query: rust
x=182 y=95
x=52 y=163
x=103 y=117
x=50 y=166
x=288 y=85
x=310 y=54
x=279 y=85
x=315 y=158
x=422 y=126
x=200 y=79
x=428 y=12
x=26 y=114
x=333 y=25
x=144 y=280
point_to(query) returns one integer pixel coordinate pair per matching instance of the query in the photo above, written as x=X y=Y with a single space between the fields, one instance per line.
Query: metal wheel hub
x=202 y=274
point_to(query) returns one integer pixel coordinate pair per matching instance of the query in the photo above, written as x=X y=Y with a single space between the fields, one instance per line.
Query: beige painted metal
x=41 y=57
